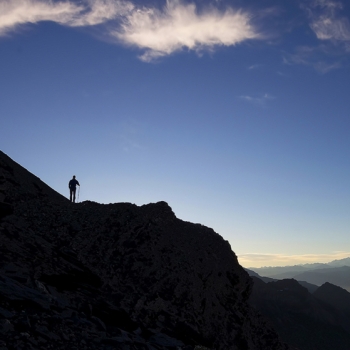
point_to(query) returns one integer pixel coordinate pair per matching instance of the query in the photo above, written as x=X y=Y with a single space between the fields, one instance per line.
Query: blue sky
x=236 y=113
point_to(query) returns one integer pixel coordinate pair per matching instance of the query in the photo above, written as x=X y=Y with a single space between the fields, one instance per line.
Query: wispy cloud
x=179 y=25
x=159 y=32
x=260 y=260
x=333 y=31
x=258 y=100
x=327 y=22
x=129 y=135
x=321 y=58
x=255 y=66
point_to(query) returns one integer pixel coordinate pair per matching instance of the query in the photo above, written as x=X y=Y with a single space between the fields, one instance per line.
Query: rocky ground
x=117 y=276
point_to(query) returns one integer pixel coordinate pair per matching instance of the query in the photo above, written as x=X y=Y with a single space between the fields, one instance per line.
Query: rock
x=100 y=325
x=6 y=326
x=6 y=313
x=5 y=209
x=164 y=340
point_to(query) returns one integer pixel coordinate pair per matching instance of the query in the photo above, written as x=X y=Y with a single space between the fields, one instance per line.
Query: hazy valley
x=336 y=272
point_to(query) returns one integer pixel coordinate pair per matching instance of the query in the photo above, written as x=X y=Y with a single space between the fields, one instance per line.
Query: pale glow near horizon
x=266 y=260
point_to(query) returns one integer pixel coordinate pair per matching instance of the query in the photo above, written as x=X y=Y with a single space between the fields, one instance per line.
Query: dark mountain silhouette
x=252 y=273
x=335 y=296
x=265 y=279
x=318 y=321
x=310 y=287
x=118 y=276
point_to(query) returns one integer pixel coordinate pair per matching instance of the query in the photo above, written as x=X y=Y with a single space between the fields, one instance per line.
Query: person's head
x=73 y=176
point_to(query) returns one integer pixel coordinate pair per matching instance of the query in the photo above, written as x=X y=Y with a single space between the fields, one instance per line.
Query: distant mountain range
x=318 y=320
x=336 y=272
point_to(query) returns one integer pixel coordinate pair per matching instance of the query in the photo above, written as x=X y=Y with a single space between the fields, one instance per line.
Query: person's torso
x=73 y=183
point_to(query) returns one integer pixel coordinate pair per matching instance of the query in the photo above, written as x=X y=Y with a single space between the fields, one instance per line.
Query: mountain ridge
x=335 y=272
x=116 y=276
x=308 y=266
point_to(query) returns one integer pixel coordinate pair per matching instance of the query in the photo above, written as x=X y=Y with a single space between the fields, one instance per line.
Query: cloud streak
x=158 y=32
x=257 y=100
x=321 y=58
x=129 y=135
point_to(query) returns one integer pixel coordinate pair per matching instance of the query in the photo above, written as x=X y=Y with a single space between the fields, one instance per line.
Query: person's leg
x=74 y=195
x=70 y=197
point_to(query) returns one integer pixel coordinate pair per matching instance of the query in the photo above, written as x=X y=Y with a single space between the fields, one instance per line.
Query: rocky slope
x=117 y=276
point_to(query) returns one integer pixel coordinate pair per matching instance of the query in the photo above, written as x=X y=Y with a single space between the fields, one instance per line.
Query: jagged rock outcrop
x=117 y=276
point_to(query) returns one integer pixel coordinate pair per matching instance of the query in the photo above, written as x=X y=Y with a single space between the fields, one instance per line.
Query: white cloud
x=180 y=26
x=158 y=32
x=17 y=12
x=91 y=12
x=101 y=11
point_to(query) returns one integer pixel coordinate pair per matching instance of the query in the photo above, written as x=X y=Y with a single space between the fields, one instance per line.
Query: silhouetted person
x=73 y=187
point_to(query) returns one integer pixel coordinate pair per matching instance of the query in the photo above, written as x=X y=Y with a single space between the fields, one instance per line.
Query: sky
x=235 y=113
